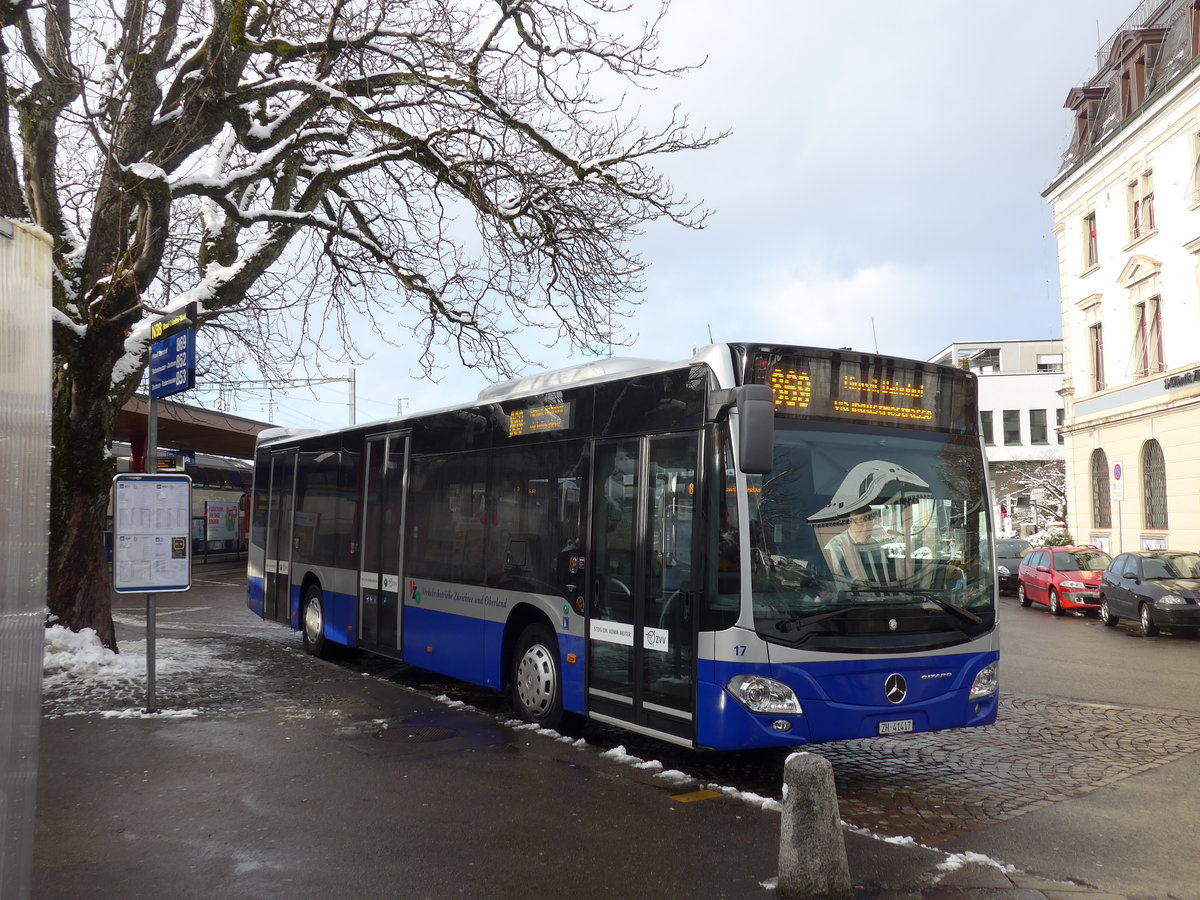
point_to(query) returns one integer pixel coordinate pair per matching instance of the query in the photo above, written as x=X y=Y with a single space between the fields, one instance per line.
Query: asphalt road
x=1090 y=774
x=1077 y=657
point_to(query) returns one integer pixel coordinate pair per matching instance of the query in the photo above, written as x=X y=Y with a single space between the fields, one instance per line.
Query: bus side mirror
x=755 y=404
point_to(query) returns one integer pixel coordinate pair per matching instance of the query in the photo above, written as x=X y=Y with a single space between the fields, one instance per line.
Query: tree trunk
x=80 y=577
x=12 y=201
x=81 y=471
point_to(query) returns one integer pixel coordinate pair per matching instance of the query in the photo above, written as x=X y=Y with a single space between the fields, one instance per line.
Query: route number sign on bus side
x=152 y=546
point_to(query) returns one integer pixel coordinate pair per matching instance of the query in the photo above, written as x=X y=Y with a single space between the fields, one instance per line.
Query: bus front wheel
x=314 y=621
x=536 y=682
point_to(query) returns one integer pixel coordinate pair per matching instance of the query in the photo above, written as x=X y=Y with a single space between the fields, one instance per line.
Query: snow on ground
x=81 y=676
x=956 y=861
x=675 y=777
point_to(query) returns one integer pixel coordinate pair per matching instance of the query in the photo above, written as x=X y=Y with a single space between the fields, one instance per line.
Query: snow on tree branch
x=463 y=169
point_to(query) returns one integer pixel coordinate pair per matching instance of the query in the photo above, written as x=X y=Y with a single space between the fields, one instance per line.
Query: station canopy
x=188 y=428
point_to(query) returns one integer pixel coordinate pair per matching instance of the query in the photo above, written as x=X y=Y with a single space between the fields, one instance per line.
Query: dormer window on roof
x=1151 y=48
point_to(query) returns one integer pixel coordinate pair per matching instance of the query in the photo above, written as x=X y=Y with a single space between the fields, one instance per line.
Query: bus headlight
x=986 y=682
x=765 y=695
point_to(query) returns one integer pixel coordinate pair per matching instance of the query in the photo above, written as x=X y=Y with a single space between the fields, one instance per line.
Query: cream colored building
x=1126 y=209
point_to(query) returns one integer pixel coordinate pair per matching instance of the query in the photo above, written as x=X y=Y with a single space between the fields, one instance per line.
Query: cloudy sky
x=881 y=187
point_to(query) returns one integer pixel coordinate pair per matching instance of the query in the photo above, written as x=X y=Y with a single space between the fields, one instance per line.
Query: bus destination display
x=540 y=419
x=864 y=389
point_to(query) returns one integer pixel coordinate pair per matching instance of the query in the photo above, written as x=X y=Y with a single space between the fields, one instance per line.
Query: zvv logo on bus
x=656 y=639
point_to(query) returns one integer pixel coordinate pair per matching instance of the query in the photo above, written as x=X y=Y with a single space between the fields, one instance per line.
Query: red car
x=1062 y=578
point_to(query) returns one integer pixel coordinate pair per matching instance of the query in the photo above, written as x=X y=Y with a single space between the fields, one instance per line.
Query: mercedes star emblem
x=895 y=688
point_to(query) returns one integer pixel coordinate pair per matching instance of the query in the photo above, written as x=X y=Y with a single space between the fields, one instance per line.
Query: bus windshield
x=870 y=540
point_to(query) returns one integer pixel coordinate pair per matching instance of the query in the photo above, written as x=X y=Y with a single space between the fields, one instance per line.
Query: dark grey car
x=1009 y=553
x=1158 y=588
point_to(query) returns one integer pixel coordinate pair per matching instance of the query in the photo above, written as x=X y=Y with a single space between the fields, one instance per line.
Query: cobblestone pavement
x=1040 y=751
x=929 y=787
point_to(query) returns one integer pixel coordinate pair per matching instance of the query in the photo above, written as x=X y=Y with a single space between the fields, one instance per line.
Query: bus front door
x=277 y=573
x=382 y=544
x=642 y=615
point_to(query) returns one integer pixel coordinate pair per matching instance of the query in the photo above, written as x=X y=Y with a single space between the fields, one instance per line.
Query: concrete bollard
x=812 y=850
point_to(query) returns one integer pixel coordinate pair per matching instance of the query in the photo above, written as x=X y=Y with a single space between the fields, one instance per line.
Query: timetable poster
x=152 y=533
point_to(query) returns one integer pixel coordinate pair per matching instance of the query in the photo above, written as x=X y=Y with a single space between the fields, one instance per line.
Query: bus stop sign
x=173 y=364
x=173 y=353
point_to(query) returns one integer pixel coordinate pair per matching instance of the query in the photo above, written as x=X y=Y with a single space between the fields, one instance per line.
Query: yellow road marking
x=697 y=795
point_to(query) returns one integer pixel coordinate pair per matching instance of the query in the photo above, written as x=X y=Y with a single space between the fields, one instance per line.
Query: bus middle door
x=382 y=544
x=280 y=515
x=642 y=622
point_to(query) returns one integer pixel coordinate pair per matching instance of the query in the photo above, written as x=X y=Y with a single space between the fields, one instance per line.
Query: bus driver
x=862 y=549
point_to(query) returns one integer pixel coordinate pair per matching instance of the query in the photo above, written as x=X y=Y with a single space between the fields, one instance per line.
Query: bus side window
x=449 y=516
x=533 y=492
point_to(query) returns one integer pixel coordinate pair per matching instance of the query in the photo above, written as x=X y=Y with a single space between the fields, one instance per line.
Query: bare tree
x=1043 y=482
x=453 y=172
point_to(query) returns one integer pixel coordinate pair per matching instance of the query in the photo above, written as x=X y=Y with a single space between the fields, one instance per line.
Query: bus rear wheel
x=313 y=624
x=535 y=686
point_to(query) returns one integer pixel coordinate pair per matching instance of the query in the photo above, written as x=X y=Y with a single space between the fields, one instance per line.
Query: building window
x=1128 y=101
x=1194 y=46
x=985 y=422
x=1147 y=337
x=1049 y=362
x=1101 y=505
x=1154 y=485
x=1141 y=206
x=1091 y=252
x=1037 y=427
x=984 y=361
x=1194 y=184
x=1096 y=336
x=1060 y=418
x=1012 y=427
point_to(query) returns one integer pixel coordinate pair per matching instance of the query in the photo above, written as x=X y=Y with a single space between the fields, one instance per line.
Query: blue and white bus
x=759 y=546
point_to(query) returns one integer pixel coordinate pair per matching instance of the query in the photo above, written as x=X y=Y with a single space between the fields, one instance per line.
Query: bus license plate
x=897 y=726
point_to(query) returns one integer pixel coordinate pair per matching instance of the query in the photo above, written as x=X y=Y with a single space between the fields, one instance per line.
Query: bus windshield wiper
x=950 y=607
x=786 y=625
x=904 y=593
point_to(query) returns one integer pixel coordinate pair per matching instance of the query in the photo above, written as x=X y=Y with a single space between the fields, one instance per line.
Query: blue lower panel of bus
x=472 y=650
x=458 y=646
x=341 y=614
x=846 y=700
x=254 y=596
x=574 y=688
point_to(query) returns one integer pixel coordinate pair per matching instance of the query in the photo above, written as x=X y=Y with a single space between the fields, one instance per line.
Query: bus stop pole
x=151 y=468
